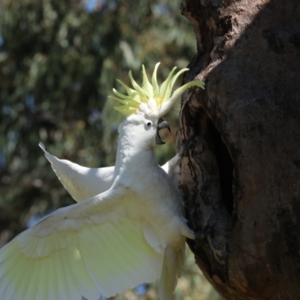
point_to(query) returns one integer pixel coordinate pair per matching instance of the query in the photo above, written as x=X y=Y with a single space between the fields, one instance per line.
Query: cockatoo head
x=145 y=105
x=142 y=131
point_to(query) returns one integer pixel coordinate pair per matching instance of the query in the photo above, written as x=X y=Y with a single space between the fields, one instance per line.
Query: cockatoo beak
x=161 y=124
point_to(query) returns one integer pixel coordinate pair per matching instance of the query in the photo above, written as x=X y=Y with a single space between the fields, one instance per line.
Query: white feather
x=80 y=182
x=132 y=233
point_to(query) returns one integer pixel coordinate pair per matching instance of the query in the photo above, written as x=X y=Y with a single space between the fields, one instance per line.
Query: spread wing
x=80 y=182
x=90 y=248
x=83 y=183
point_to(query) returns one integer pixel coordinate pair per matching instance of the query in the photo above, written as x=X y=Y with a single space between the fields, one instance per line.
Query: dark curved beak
x=161 y=124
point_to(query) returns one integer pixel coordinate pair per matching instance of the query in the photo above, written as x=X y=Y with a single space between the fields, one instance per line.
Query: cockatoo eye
x=149 y=124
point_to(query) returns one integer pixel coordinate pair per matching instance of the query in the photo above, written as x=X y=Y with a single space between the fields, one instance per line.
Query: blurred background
x=59 y=60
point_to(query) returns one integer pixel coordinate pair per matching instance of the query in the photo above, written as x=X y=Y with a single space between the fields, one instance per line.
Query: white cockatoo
x=82 y=182
x=132 y=233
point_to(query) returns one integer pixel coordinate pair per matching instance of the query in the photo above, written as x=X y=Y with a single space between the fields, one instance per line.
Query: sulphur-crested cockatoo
x=130 y=234
x=82 y=182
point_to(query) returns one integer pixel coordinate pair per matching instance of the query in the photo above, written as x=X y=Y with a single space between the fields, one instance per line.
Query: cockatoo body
x=132 y=233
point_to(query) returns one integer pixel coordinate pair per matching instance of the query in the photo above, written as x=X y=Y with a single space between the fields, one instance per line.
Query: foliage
x=58 y=62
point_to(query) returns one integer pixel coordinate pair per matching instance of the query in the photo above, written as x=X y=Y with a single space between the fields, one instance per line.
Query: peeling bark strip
x=241 y=179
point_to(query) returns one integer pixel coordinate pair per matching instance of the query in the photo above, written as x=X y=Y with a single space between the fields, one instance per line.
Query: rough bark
x=241 y=179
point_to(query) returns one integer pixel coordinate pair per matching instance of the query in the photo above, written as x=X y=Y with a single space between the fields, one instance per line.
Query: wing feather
x=21 y=281
x=42 y=284
x=63 y=284
x=52 y=278
x=79 y=181
x=81 y=275
x=87 y=249
x=8 y=291
x=9 y=275
x=31 y=279
x=69 y=275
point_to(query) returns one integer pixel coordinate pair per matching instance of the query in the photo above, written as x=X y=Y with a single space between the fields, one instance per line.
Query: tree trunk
x=240 y=180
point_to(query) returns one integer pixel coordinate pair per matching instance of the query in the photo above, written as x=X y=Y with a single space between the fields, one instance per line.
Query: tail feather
x=171 y=271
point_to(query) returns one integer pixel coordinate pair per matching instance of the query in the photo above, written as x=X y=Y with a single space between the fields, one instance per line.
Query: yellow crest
x=150 y=96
